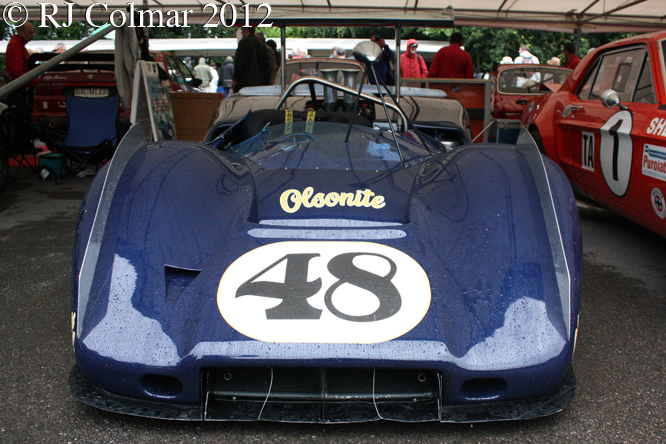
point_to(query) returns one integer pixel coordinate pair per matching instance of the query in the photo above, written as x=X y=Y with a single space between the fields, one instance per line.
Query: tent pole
x=283 y=56
x=48 y=65
x=398 y=32
x=578 y=34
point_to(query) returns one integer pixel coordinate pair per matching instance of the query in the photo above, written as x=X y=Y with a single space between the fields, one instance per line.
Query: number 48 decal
x=616 y=151
x=349 y=292
x=295 y=290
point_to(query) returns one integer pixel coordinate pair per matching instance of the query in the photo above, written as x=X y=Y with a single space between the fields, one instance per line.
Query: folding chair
x=93 y=132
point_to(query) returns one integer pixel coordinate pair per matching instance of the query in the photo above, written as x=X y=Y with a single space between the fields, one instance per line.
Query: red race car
x=90 y=74
x=606 y=128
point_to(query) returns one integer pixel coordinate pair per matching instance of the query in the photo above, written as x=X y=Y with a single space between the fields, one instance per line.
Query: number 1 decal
x=616 y=151
x=336 y=292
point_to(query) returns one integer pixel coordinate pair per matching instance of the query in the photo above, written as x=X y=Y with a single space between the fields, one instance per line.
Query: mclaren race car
x=316 y=263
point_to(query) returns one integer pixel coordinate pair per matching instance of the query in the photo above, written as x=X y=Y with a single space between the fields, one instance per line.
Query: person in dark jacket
x=226 y=74
x=271 y=64
x=250 y=61
x=383 y=65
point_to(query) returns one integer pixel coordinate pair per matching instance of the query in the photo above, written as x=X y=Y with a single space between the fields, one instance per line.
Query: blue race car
x=328 y=266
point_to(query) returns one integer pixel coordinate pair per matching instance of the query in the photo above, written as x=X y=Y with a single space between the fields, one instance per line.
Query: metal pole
x=398 y=32
x=48 y=65
x=578 y=34
x=283 y=71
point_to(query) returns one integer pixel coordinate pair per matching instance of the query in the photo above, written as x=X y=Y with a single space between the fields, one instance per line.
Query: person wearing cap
x=506 y=60
x=188 y=63
x=383 y=65
x=452 y=62
x=412 y=64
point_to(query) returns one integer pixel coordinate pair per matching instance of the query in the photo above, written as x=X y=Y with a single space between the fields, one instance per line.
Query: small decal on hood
x=292 y=200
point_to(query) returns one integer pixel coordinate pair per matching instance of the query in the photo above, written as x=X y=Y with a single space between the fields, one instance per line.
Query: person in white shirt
x=212 y=88
x=526 y=57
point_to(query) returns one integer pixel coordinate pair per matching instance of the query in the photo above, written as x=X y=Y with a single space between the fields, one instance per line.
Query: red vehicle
x=518 y=84
x=606 y=128
x=91 y=75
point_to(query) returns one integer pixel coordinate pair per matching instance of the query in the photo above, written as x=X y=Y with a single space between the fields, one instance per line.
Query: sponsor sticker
x=292 y=200
x=587 y=156
x=658 y=203
x=657 y=127
x=654 y=161
x=324 y=292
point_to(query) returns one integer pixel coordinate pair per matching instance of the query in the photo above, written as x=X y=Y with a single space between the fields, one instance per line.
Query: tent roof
x=561 y=15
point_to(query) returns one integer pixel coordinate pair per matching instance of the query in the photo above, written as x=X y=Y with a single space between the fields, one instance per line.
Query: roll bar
x=313 y=79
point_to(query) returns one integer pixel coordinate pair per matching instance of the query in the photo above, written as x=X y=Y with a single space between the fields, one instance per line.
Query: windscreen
x=296 y=70
x=528 y=80
x=313 y=145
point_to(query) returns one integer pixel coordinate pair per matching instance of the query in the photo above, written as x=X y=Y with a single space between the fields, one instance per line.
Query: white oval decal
x=616 y=151
x=324 y=292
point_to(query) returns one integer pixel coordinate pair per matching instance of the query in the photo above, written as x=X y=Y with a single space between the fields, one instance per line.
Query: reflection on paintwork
x=526 y=338
x=125 y=334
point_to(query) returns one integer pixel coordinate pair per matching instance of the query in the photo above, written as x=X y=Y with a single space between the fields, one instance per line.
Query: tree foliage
x=486 y=45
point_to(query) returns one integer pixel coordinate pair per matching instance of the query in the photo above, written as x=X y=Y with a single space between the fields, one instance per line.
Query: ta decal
x=587 y=156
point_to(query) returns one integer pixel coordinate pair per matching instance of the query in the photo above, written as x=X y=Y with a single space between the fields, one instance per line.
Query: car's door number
x=349 y=292
x=616 y=151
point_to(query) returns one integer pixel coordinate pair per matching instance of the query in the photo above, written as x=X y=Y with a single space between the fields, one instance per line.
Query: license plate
x=91 y=93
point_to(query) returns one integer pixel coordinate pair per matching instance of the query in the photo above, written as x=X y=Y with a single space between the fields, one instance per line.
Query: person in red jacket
x=17 y=65
x=570 y=53
x=412 y=64
x=452 y=62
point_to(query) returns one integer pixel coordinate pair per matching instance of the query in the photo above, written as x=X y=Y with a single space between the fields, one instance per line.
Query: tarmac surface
x=620 y=359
